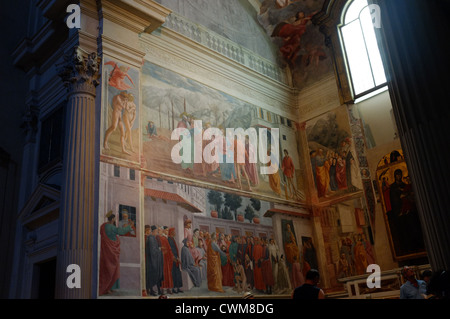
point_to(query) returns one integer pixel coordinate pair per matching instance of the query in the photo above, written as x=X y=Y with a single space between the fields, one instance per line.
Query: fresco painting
x=171 y=101
x=356 y=253
x=120 y=124
x=200 y=229
x=300 y=42
x=225 y=245
x=196 y=242
x=348 y=242
x=292 y=257
x=109 y=263
x=333 y=161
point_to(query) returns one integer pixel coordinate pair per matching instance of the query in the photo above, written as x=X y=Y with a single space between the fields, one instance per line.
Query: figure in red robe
x=168 y=258
x=288 y=168
x=258 y=255
x=118 y=75
x=267 y=270
x=227 y=269
x=292 y=34
x=110 y=254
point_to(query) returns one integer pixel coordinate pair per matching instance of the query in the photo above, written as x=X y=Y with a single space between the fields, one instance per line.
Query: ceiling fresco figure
x=291 y=33
x=301 y=45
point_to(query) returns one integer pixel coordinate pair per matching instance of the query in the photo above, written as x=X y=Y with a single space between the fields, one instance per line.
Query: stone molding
x=226 y=47
x=136 y=15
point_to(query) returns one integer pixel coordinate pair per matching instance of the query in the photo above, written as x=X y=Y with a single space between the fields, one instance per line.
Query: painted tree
x=256 y=203
x=226 y=214
x=249 y=213
x=215 y=199
x=233 y=202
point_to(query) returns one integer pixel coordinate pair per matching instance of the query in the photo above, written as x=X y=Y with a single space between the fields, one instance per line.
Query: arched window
x=360 y=50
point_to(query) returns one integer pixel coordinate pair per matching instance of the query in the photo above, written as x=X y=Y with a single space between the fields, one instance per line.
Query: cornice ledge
x=118 y=50
x=136 y=15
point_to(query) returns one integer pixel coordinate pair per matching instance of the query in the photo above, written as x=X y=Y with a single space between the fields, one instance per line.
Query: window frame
x=52 y=159
x=343 y=50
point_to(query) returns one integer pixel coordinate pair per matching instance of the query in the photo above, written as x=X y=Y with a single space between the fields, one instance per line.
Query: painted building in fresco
x=104 y=192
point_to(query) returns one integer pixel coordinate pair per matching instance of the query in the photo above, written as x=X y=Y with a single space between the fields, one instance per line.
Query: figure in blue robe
x=188 y=265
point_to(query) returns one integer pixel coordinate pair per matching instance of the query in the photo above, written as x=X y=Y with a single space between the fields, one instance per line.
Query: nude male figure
x=119 y=103
x=129 y=116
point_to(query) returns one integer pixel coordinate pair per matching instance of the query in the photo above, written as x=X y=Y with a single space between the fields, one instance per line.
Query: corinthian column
x=80 y=74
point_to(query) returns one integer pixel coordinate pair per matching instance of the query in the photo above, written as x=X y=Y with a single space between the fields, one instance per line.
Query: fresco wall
x=333 y=157
x=162 y=208
x=191 y=241
x=121 y=111
x=347 y=241
x=191 y=229
x=171 y=101
x=231 y=19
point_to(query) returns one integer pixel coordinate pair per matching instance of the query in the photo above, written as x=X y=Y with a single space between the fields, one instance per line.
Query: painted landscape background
x=171 y=101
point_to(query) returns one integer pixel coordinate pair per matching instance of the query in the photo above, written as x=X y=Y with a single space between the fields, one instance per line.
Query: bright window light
x=361 y=49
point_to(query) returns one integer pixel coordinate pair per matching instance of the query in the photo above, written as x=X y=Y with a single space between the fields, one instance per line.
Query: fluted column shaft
x=76 y=230
x=416 y=59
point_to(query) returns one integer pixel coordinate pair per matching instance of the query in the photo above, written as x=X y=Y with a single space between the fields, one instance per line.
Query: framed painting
x=399 y=207
x=127 y=216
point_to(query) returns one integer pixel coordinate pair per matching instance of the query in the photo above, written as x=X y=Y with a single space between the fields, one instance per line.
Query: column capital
x=30 y=123
x=80 y=71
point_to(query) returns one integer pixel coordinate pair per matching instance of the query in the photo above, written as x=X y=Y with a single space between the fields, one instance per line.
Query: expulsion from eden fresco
x=121 y=138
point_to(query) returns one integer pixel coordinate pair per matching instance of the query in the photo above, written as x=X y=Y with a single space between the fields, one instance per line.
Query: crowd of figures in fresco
x=220 y=262
x=240 y=175
x=216 y=262
x=231 y=172
x=174 y=104
x=356 y=254
x=335 y=171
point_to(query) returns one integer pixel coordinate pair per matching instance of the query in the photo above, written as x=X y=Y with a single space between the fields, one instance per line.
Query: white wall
x=376 y=114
